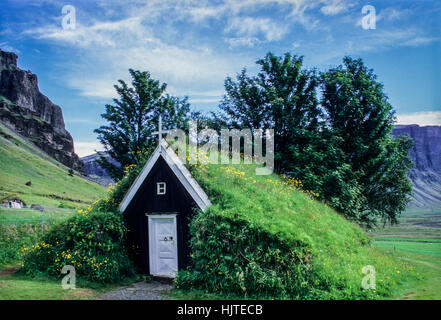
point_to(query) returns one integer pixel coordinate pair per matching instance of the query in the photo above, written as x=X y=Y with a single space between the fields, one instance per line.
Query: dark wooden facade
x=176 y=200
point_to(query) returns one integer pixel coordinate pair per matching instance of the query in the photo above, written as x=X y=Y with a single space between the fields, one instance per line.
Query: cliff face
x=94 y=171
x=27 y=111
x=426 y=154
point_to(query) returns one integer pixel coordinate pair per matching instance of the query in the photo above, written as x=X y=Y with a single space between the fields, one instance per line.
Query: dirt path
x=8 y=271
x=423 y=262
x=152 y=290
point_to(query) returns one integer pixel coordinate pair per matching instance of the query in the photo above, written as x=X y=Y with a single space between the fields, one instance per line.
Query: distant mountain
x=94 y=171
x=24 y=109
x=426 y=154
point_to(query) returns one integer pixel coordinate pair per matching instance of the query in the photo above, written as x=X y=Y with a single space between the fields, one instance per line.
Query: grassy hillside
x=319 y=253
x=21 y=162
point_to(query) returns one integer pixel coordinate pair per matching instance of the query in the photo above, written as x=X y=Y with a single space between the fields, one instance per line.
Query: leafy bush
x=92 y=242
x=13 y=238
x=233 y=257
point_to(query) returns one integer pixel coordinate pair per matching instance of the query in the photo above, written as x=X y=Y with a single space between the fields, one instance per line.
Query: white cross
x=160 y=131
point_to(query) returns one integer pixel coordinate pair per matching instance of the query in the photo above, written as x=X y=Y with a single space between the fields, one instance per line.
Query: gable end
x=179 y=170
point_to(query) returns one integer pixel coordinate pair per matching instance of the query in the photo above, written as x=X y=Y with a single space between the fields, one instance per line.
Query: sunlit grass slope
x=330 y=249
x=21 y=162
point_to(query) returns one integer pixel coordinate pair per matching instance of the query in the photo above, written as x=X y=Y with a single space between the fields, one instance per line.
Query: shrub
x=13 y=238
x=93 y=243
x=233 y=257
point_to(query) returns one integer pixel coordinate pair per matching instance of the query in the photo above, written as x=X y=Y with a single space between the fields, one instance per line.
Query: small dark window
x=160 y=188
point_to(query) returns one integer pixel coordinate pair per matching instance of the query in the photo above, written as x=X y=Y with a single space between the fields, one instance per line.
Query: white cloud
x=6 y=47
x=242 y=42
x=83 y=149
x=207 y=100
x=334 y=7
x=251 y=27
x=392 y=14
x=148 y=36
x=381 y=39
x=101 y=34
x=417 y=41
x=425 y=118
x=79 y=120
x=109 y=49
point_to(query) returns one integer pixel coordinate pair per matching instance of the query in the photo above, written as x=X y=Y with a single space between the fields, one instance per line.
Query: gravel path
x=152 y=290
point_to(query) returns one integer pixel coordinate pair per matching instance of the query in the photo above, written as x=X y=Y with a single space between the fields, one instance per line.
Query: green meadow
x=417 y=240
x=54 y=189
x=18 y=287
x=52 y=186
x=430 y=247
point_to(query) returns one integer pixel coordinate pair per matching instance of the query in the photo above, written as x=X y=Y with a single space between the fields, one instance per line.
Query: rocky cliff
x=94 y=171
x=27 y=111
x=426 y=154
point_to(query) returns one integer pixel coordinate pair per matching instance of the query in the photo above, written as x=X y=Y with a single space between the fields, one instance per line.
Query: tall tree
x=341 y=148
x=359 y=114
x=134 y=117
x=281 y=97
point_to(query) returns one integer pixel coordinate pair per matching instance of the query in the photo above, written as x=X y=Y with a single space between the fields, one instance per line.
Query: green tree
x=134 y=117
x=341 y=148
x=322 y=169
x=360 y=118
x=281 y=97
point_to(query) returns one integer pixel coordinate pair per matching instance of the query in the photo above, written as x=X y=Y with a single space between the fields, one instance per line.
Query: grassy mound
x=51 y=185
x=265 y=238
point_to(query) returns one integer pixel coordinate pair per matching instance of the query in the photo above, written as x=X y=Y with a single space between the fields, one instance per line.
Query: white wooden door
x=163 y=245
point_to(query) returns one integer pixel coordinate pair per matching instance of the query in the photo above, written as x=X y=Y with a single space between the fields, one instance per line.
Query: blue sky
x=193 y=45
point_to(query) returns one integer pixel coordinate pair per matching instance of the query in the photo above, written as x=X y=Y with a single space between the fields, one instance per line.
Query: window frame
x=161 y=188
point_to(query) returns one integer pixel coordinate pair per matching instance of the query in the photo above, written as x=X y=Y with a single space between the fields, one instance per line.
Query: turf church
x=157 y=209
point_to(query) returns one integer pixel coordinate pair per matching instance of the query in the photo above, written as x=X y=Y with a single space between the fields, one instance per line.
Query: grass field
x=23 y=227
x=425 y=248
x=427 y=284
x=18 y=287
x=416 y=239
x=34 y=217
x=52 y=186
